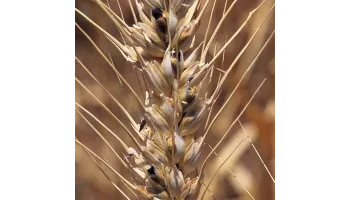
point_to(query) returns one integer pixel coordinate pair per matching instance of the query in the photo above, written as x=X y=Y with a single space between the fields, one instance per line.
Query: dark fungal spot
x=182 y=117
x=142 y=125
x=177 y=166
x=160 y=17
x=157 y=13
x=152 y=173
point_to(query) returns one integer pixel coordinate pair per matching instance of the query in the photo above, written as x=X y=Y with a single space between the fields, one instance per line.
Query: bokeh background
x=258 y=119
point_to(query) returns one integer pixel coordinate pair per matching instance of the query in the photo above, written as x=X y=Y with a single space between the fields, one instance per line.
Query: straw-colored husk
x=168 y=139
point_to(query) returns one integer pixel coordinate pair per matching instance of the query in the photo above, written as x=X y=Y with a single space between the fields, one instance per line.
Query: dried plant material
x=166 y=146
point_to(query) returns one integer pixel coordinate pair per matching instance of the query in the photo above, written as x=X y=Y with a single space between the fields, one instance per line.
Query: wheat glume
x=164 y=161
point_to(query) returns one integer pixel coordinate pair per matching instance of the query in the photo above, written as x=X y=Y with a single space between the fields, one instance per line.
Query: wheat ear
x=169 y=138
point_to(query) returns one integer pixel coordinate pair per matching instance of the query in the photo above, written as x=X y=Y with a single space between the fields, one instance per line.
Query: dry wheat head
x=168 y=140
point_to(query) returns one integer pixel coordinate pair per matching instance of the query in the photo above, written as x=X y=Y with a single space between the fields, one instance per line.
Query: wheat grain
x=170 y=141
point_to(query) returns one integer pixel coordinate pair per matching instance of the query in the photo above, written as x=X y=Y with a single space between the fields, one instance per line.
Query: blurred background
x=258 y=119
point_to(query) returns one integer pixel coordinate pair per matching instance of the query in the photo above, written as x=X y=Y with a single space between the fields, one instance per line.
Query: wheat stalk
x=169 y=141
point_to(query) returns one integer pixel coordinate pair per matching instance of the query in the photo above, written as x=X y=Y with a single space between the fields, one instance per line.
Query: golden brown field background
x=258 y=119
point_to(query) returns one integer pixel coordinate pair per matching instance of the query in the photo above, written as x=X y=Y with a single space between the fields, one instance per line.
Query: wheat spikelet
x=168 y=142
